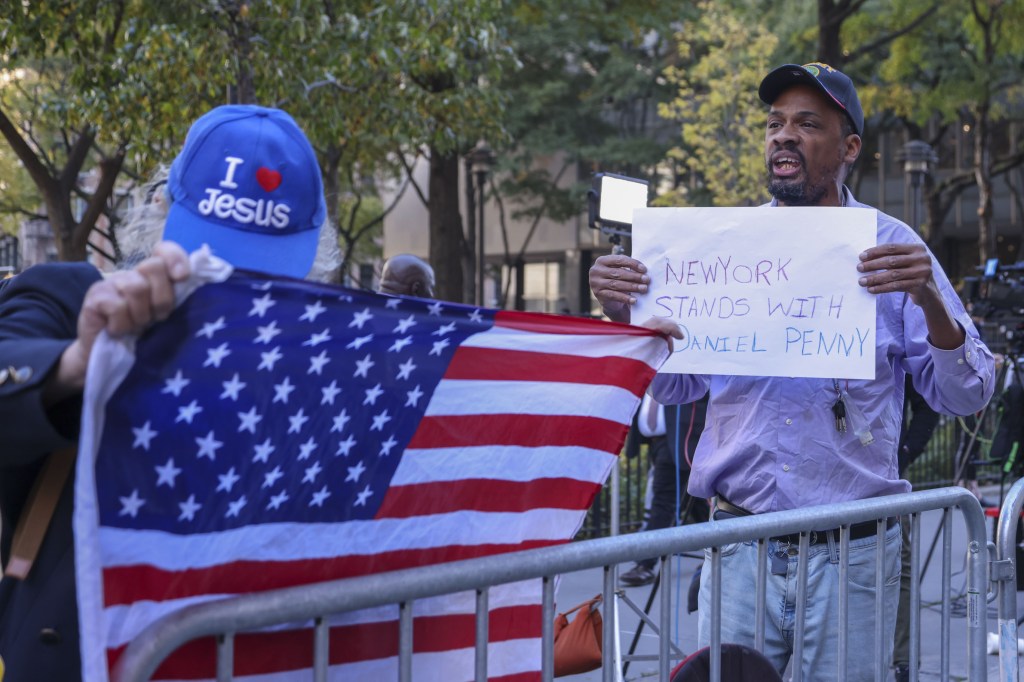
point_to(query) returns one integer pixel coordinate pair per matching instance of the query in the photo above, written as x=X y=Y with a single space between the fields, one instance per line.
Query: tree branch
x=110 y=40
x=77 y=155
x=952 y=186
x=316 y=85
x=109 y=168
x=408 y=172
x=11 y=209
x=28 y=130
x=36 y=170
x=540 y=212
x=889 y=37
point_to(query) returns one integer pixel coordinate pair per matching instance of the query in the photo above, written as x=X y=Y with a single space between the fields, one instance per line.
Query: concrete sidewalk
x=577 y=587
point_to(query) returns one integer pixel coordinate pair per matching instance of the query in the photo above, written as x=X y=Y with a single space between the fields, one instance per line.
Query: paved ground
x=577 y=587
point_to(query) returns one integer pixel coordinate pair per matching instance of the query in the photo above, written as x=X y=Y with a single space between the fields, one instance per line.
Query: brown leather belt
x=858 y=531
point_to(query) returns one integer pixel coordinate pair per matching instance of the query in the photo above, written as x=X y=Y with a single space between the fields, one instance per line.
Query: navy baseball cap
x=834 y=83
x=247 y=183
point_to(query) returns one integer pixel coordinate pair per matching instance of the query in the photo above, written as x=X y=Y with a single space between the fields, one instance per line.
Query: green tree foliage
x=371 y=83
x=722 y=60
x=584 y=100
x=963 y=70
x=19 y=198
x=379 y=85
x=107 y=87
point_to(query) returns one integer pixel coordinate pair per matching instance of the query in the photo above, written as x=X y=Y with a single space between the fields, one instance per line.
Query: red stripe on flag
x=470 y=362
x=274 y=652
x=127 y=584
x=486 y=495
x=526 y=430
x=558 y=324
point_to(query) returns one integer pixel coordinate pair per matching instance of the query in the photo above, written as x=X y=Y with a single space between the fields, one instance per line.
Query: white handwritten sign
x=760 y=291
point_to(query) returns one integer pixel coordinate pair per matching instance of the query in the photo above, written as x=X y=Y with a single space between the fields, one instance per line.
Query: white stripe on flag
x=503 y=463
x=299 y=541
x=637 y=348
x=125 y=623
x=458 y=397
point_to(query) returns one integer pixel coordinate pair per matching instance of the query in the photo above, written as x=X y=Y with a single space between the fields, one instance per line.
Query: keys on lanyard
x=839 y=409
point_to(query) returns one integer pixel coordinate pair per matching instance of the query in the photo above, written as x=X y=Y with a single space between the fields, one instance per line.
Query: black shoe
x=637 y=576
x=902 y=673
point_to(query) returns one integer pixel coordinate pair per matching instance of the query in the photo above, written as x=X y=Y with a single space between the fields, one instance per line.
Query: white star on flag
x=143 y=436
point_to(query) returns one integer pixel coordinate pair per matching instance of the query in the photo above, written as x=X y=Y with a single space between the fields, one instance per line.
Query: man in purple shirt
x=772 y=444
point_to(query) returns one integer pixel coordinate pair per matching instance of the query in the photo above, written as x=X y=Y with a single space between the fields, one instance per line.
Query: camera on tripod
x=998 y=292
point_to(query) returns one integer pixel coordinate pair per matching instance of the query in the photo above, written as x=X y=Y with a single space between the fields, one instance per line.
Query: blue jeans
x=821 y=624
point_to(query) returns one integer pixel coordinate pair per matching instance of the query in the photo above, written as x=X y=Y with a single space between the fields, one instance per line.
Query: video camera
x=998 y=292
x=996 y=299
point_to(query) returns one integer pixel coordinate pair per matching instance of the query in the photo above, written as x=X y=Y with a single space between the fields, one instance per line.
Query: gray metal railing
x=1004 y=573
x=937 y=467
x=301 y=604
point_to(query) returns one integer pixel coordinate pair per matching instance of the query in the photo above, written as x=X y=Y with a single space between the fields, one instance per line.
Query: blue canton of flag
x=305 y=421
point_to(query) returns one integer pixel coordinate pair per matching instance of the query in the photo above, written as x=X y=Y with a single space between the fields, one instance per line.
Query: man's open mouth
x=786 y=164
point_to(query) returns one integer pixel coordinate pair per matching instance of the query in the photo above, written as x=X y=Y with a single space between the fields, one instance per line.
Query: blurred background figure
x=919 y=422
x=673 y=433
x=407 y=275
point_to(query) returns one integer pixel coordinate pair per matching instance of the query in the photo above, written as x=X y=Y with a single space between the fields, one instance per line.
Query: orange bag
x=578 y=644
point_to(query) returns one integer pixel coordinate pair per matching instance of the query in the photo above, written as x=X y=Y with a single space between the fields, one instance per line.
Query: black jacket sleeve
x=38 y=320
x=916 y=433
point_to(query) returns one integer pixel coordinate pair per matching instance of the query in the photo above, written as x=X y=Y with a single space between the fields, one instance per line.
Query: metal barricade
x=1004 y=568
x=313 y=602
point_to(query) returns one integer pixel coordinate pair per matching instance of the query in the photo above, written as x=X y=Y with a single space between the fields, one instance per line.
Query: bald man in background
x=407 y=275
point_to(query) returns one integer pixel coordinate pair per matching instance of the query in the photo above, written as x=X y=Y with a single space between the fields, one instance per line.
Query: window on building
x=543 y=287
x=366 y=276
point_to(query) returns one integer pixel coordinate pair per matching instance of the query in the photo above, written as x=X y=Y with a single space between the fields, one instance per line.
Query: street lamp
x=481 y=160
x=918 y=158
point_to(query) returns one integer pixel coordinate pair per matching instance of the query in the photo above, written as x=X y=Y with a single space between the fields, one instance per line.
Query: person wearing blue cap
x=774 y=444
x=247 y=184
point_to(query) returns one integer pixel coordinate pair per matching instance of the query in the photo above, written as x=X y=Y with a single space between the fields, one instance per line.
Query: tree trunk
x=241 y=36
x=331 y=169
x=62 y=222
x=447 y=242
x=983 y=179
x=830 y=23
x=469 y=255
x=982 y=133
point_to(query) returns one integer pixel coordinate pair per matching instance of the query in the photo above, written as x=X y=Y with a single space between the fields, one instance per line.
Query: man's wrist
x=617 y=314
x=68 y=378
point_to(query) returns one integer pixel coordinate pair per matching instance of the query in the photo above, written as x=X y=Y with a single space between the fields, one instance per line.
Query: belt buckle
x=812 y=539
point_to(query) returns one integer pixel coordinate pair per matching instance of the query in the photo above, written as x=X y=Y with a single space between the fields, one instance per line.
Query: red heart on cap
x=269 y=179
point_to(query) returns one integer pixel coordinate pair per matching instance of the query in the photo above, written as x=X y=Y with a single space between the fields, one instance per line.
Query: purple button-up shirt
x=771 y=443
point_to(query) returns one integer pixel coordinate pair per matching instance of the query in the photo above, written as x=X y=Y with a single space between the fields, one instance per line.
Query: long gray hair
x=142 y=226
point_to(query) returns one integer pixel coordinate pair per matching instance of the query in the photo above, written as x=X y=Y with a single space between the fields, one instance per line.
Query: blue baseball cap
x=247 y=183
x=835 y=84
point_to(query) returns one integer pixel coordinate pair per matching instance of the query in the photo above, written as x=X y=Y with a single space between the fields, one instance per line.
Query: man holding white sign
x=802 y=323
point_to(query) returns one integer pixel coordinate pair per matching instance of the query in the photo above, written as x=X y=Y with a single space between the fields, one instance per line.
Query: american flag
x=276 y=432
